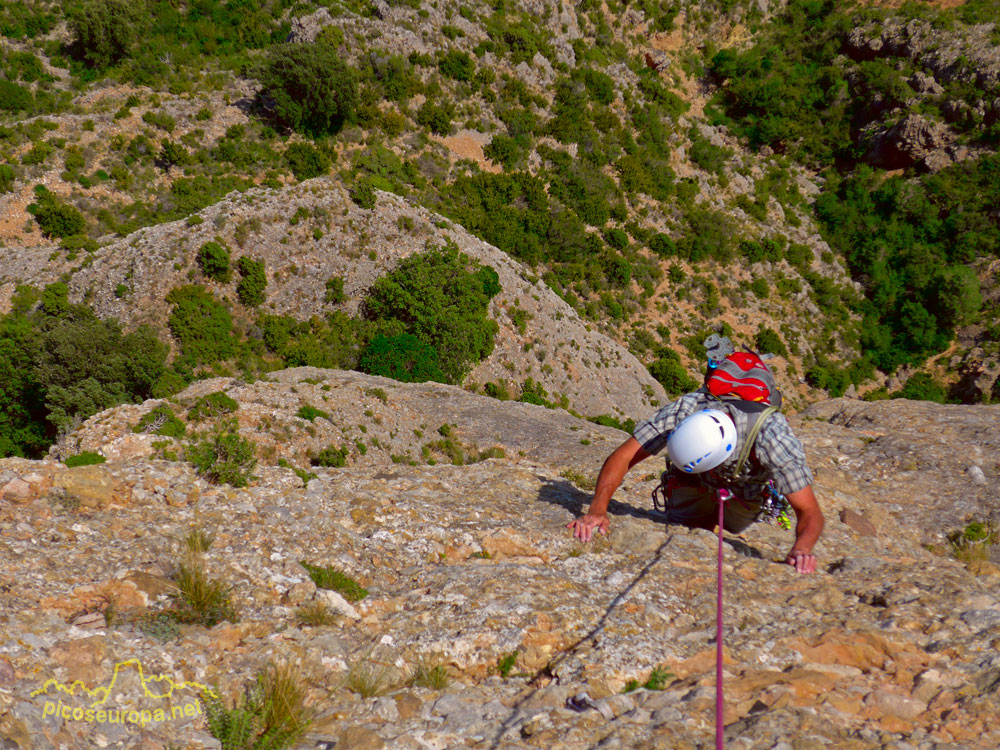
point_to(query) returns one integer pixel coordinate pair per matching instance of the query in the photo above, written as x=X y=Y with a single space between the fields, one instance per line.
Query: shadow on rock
x=564 y=664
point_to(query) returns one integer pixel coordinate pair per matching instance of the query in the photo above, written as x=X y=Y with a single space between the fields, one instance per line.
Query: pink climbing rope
x=719 y=704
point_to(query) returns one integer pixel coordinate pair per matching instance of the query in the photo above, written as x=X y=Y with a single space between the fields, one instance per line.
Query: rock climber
x=704 y=436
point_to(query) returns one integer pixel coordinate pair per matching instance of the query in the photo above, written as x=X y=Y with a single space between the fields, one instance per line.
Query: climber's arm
x=808 y=527
x=627 y=455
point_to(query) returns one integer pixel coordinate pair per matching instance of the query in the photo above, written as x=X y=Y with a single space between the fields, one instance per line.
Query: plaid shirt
x=777 y=451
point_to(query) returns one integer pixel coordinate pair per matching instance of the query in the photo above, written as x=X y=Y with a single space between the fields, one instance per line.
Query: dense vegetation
x=914 y=240
x=426 y=320
x=61 y=364
x=587 y=195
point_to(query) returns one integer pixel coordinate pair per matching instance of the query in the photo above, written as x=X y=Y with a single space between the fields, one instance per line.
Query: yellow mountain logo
x=156 y=687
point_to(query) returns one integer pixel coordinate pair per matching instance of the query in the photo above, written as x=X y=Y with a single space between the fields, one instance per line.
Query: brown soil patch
x=468 y=144
x=673 y=40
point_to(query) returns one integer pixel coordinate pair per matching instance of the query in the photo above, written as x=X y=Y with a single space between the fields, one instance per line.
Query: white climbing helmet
x=702 y=441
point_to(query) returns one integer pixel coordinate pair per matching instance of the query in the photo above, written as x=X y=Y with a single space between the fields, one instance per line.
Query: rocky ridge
x=887 y=646
x=557 y=348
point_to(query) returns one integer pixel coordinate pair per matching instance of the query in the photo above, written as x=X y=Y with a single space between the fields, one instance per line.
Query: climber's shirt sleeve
x=782 y=454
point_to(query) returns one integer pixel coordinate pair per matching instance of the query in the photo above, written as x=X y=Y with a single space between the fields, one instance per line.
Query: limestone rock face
x=887 y=645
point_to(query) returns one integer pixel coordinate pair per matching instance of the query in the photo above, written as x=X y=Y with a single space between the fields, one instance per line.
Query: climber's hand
x=804 y=562
x=584 y=526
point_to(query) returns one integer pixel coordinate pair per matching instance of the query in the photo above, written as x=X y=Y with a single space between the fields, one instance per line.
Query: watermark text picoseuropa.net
x=120 y=715
x=155 y=698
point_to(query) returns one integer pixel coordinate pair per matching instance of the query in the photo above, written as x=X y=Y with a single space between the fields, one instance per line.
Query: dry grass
x=199 y=598
x=273 y=713
x=429 y=674
x=315 y=613
x=368 y=678
x=198 y=541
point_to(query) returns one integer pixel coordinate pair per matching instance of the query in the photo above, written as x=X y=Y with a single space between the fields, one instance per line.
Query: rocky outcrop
x=965 y=55
x=379 y=421
x=886 y=646
x=552 y=345
x=912 y=140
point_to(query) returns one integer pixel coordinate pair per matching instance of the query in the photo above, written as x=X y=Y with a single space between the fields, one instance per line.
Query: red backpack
x=743 y=375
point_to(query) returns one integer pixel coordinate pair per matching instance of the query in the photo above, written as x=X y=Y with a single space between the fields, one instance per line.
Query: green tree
x=213 y=259
x=313 y=90
x=202 y=324
x=23 y=427
x=250 y=290
x=401 y=357
x=922 y=387
x=442 y=298
x=105 y=31
x=956 y=299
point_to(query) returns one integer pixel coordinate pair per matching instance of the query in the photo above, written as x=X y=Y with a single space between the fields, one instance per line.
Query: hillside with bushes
x=813 y=180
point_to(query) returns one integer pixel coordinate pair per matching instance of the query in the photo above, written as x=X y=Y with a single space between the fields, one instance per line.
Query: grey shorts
x=698 y=507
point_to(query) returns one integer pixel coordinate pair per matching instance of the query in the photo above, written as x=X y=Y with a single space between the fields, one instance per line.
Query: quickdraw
x=774 y=507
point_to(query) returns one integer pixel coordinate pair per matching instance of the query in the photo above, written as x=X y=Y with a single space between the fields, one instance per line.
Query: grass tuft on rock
x=332 y=579
x=272 y=714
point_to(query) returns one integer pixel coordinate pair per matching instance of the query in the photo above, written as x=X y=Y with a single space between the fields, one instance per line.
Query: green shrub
x=7 y=177
x=161 y=421
x=457 y=65
x=335 y=290
x=533 y=392
x=504 y=150
x=272 y=714
x=15 y=98
x=670 y=373
x=402 y=357
x=442 y=298
x=202 y=324
x=86 y=458
x=224 y=458
x=74 y=161
x=212 y=405
x=306 y=161
x=250 y=289
x=161 y=120
x=168 y=384
x=313 y=90
x=330 y=457
x=173 y=154
x=213 y=259
x=310 y=413
x=435 y=117
x=363 y=193
x=768 y=340
x=55 y=218
x=105 y=31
